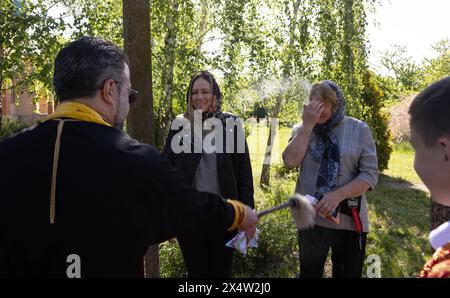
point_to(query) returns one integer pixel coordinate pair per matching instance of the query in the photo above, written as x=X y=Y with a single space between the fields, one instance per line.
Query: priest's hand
x=249 y=223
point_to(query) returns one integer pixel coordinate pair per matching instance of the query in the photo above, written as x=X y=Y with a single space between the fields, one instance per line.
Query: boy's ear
x=444 y=142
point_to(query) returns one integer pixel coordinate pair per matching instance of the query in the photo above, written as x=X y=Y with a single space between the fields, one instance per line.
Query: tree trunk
x=202 y=29
x=165 y=111
x=137 y=44
x=265 y=172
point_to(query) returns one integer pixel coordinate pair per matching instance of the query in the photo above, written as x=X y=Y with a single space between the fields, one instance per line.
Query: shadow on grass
x=399 y=215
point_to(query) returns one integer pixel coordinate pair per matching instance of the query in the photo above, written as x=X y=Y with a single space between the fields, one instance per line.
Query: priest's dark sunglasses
x=132 y=94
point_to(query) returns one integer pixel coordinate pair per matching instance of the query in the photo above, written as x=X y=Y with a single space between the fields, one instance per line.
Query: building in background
x=23 y=107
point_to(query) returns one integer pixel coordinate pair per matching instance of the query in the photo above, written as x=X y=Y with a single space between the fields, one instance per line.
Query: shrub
x=399 y=120
x=259 y=110
x=372 y=113
x=277 y=252
x=171 y=260
x=10 y=126
x=281 y=171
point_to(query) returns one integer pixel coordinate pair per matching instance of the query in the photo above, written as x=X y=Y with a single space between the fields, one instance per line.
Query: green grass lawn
x=257 y=143
x=401 y=164
x=398 y=215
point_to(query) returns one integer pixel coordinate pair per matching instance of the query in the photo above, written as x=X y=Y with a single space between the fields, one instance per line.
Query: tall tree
x=179 y=30
x=29 y=41
x=96 y=18
x=165 y=109
x=439 y=67
x=292 y=10
x=137 y=44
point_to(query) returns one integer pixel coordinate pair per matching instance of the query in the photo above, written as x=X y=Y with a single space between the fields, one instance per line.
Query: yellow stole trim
x=72 y=110
x=79 y=111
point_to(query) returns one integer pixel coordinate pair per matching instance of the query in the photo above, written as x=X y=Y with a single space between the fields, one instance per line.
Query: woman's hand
x=311 y=112
x=329 y=202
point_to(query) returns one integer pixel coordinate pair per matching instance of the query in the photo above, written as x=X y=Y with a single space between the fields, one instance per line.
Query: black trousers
x=347 y=257
x=205 y=254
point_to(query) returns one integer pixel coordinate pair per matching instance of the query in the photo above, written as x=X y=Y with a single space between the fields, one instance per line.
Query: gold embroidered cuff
x=239 y=214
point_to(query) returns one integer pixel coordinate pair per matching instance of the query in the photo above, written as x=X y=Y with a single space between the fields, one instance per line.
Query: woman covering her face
x=338 y=163
x=215 y=165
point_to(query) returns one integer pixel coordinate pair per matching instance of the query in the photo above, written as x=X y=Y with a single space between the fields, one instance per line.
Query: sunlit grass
x=401 y=163
x=399 y=225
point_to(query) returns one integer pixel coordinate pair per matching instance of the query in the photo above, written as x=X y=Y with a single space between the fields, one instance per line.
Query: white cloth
x=440 y=236
x=239 y=242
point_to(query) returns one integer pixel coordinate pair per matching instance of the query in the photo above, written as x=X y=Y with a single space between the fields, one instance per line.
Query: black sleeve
x=167 y=152
x=243 y=167
x=179 y=209
x=245 y=178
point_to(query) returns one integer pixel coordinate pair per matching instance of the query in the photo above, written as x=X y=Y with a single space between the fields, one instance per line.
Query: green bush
x=277 y=252
x=399 y=119
x=259 y=110
x=377 y=120
x=281 y=171
x=10 y=126
x=171 y=260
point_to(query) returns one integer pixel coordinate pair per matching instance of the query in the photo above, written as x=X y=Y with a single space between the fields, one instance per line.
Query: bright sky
x=416 y=24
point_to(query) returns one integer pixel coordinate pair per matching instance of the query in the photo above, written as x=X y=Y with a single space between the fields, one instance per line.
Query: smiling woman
x=201 y=96
x=215 y=168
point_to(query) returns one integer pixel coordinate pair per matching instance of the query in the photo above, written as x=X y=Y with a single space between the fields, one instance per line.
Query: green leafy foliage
x=277 y=252
x=9 y=127
x=407 y=77
x=171 y=260
x=29 y=41
x=377 y=119
x=405 y=71
x=437 y=68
